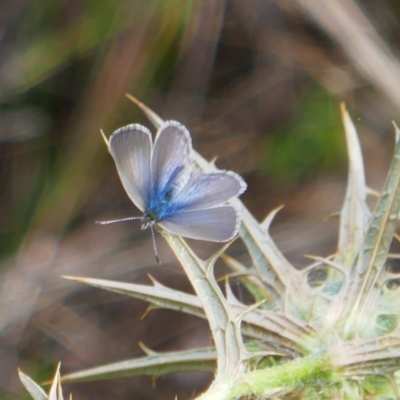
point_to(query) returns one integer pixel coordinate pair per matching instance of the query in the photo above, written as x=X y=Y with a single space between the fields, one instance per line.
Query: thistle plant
x=327 y=331
x=38 y=393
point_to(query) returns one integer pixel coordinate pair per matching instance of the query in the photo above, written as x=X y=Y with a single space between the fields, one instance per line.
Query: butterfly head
x=148 y=221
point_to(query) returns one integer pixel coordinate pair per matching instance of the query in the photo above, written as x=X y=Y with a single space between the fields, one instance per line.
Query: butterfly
x=161 y=180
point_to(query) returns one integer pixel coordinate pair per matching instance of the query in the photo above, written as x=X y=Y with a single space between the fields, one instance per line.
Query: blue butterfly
x=161 y=181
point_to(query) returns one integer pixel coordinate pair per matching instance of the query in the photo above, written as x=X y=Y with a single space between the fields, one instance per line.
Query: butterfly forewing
x=171 y=161
x=130 y=147
x=207 y=190
x=218 y=224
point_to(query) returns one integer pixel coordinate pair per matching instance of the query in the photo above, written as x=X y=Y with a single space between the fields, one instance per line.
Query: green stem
x=265 y=382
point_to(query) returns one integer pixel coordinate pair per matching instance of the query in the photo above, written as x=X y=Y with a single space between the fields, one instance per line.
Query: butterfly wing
x=218 y=224
x=171 y=161
x=130 y=147
x=207 y=190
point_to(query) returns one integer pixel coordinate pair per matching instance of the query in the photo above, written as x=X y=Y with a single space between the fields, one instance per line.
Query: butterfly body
x=162 y=203
x=161 y=181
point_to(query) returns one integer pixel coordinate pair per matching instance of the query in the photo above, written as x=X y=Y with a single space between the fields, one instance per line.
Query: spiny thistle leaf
x=355 y=213
x=32 y=387
x=250 y=280
x=375 y=248
x=271 y=265
x=154 y=364
x=55 y=390
x=158 y=295
x=267 y=326
x=37 y=392
x=224 y=325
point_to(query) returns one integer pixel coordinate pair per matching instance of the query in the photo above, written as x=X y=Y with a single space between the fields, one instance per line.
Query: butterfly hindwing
x=218 y=224
x=207 y=190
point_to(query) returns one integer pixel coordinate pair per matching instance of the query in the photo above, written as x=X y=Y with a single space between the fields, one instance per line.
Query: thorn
x=134 y=100
x=151 y=115
x=105 y=139
x=148 y=309
x=396 y=236
x=331 y=215
x=213 y=160
x=146 y=349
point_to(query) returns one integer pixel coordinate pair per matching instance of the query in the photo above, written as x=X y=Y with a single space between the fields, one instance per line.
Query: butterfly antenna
x=154 y=244
x=117 y=220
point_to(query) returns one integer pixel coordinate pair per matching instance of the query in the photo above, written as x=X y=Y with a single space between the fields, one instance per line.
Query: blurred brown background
x=258 y=83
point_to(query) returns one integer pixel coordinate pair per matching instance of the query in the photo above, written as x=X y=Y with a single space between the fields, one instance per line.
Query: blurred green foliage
x=311 y=142
x=57 y=52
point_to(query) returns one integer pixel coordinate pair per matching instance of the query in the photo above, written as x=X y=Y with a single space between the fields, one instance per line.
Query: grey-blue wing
x=208 y=190
x=171 y=161
x=130 y=147
x=218 y=224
